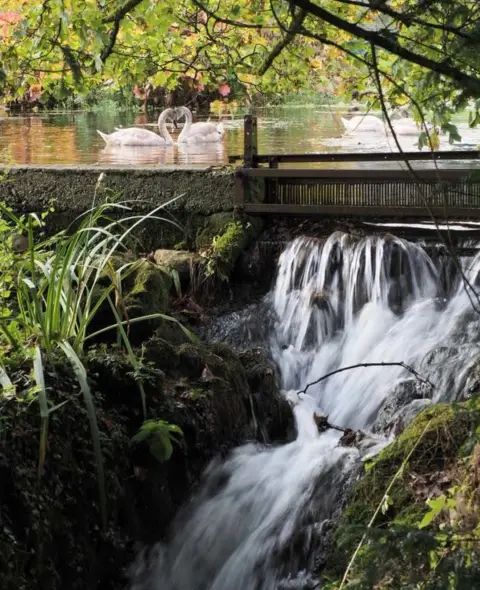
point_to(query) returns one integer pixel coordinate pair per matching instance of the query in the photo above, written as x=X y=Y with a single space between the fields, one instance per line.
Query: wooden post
x=239 y=189
x=273 y=162
x=249 y=141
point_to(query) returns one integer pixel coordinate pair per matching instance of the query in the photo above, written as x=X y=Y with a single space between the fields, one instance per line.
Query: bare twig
x=362 y=365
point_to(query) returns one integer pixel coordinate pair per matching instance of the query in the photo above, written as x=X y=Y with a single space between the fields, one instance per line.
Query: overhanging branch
x=287 y=39
x=122 y=12
x=467 y=82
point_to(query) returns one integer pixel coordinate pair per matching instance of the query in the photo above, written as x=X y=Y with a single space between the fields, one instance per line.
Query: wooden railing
x=374 y=192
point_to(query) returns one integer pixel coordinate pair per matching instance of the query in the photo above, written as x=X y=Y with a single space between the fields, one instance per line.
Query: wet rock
x=391 y=414
x=242 y=329
x=303 y=581
x=145 y=292
x=437 y=356
x=270 y=407
x=367 y=444
x=349 y=437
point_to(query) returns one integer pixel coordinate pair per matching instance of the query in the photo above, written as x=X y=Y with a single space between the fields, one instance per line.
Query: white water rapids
x=259 y=518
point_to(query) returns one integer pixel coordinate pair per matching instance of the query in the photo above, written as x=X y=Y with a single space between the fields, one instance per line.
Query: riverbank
x=111 y=408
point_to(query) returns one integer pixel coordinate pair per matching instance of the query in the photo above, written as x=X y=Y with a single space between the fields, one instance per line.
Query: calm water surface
x=72 y=139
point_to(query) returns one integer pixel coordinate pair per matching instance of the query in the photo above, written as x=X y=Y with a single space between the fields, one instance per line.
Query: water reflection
x=184 y=155
x=136 y=155
x=71 y=138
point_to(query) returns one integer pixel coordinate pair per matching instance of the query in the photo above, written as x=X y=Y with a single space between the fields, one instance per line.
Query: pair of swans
x=372 y=124
x=191 y=134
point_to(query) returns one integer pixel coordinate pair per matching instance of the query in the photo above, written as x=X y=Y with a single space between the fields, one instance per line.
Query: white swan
x=198 y=132
x=406 y=126
x=363 y=123
x=137 y=136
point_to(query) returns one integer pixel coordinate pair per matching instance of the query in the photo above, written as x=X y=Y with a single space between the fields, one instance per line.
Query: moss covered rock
x=181 y=261
x=145 y=292
x=224 y=237
x=432 y=445
x=148 y=290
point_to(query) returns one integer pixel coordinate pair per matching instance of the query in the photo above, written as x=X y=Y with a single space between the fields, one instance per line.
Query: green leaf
x=81 y=375
x=44 y=412
x=436 y=506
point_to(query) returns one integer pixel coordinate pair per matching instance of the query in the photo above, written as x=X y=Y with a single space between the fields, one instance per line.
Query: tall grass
x=58 y=285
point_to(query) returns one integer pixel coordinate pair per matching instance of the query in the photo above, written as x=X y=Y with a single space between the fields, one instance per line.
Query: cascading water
x=259 y=518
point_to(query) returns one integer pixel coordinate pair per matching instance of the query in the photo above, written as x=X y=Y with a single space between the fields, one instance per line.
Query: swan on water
x=138 y=136
x=362 y=123
x=197 y=132
x=406 y=126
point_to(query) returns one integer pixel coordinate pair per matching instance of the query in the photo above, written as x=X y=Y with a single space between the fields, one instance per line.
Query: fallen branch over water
x=360 y=365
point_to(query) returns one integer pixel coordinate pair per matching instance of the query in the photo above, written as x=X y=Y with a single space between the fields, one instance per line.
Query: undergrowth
x=52 y=289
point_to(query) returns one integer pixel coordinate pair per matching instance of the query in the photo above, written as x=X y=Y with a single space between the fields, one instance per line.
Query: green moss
x=437 y=438
x=150 y=290
x=146 y=292
x=223 y=239
x=212 y=226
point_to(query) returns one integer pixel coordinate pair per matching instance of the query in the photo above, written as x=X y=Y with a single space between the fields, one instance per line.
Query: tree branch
x=360 y=365
x=467 y=82
x=122 y=12
x=287 y=39
x=226 y=21
x=409 y=18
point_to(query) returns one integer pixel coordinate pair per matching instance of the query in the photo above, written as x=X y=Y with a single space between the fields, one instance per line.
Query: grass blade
x=154 y=316
x=81 y=375
x=5 y=381
x=43 y=402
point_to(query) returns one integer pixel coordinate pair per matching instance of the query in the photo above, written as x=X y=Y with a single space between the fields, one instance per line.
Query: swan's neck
x=188 y=124
x=162 y=127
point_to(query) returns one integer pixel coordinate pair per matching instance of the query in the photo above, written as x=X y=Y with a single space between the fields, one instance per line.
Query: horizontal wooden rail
x=365 y=212
x=370 y=175
x=361 y=157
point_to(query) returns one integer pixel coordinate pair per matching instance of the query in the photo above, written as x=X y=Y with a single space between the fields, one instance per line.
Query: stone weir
x=74 y=189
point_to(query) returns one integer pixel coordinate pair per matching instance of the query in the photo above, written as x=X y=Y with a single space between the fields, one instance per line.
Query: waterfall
x=259 y=519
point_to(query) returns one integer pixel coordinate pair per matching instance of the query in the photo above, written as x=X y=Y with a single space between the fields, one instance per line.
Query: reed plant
x=52 y=288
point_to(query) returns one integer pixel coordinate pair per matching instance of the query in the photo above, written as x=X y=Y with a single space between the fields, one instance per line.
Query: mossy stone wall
x=74 y=189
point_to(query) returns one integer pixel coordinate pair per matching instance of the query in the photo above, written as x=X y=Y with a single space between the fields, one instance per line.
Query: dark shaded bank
x=50 y=535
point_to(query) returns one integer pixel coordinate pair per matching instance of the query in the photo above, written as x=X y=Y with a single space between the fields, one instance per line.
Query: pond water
x=71 y=138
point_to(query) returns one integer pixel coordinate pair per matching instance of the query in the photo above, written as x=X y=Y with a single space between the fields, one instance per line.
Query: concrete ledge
x=31 y=188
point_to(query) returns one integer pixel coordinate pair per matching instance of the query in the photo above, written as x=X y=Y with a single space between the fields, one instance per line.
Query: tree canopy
x=421 y=51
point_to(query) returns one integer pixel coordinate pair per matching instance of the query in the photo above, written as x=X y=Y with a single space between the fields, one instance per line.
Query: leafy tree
x=423 y=52
x=78 y=45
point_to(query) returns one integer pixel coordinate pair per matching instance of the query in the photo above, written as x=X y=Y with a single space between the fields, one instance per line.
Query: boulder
x=224 y=238
x=392 y=413
x=145 y=292
x=181 y=261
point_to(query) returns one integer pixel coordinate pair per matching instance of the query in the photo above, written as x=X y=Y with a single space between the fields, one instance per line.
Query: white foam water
x=341 y=302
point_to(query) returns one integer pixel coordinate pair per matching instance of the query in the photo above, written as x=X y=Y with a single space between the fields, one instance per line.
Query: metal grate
x=461 y=194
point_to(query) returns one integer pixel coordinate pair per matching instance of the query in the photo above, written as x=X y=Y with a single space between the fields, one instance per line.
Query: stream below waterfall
x=261 y=517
